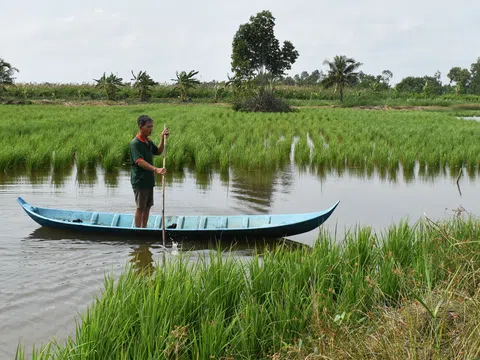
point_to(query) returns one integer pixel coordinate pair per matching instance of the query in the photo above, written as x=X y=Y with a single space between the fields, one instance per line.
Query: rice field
x=408 y=292
x=215 y=138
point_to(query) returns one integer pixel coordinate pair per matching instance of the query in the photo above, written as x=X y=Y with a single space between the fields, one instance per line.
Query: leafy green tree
x=6 y=75
x=308 y=79
x=412 y=84
x=256 y=50
x=461 y=78
x=185 y=82
x=375 y=83
x=341 y=73
x=386 y=77
x=475 y=79
x=143 y=83
x=110 y=84
x=288 y=81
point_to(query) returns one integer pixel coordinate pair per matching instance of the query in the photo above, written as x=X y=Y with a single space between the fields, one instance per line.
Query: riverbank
x=408 y=292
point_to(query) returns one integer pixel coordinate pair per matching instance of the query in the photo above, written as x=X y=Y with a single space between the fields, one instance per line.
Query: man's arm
x=145 y=165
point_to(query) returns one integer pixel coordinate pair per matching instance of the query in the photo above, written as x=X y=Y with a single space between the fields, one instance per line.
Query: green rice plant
x=210 y=135
x=7 y=157
x=112 y=159
x=302 y=152
x=40 y=160
x=62 y=159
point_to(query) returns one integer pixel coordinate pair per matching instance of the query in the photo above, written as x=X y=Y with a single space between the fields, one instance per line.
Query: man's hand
x=165 y=132
x=161 y=171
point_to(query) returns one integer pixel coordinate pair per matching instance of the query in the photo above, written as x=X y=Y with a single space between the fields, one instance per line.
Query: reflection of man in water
x=142 y=150
x=142 y=258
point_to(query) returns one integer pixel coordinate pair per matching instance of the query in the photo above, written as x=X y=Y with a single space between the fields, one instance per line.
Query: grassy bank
x=407 y=293
x=207 y=137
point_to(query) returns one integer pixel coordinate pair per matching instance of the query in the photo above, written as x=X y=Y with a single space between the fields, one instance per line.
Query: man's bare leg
x=138 y=218
x=146 y=214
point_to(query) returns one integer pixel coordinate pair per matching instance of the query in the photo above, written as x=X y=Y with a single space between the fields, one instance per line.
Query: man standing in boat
x=142 y=150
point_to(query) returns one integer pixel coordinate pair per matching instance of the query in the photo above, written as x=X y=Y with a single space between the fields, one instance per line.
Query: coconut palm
x=110 y=85
x=6 y=74
x=185 y=82
x=341 y=72
x=143 y=83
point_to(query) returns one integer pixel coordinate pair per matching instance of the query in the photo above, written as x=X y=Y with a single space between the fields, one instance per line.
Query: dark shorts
x=143 y=198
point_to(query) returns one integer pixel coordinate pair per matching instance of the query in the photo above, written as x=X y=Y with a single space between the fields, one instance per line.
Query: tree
x=375 y=83
x=475 y=79
x=308 y=79
x=288 y=81
x=110 y=84
x=6 y=74
x=341 y=73
x=461 y=78
x=430 y=85
x=257 y=51
x=185 y=82
x=386 y=77
x=143 y=83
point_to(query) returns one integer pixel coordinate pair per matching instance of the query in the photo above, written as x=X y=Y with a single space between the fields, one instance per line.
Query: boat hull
x=256 y=226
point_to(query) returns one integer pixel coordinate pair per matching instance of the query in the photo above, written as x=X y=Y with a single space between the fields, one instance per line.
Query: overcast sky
x=76 y=41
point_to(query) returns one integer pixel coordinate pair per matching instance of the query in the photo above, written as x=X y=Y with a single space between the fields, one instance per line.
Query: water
x=49 y=277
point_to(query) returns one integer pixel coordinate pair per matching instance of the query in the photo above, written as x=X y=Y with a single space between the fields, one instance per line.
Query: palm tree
x=143 y=83
x=6 y=74
x=184 y=82
x=341 y=72
x=110 y=84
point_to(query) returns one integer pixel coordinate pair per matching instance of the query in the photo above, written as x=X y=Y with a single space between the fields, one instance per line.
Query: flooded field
x=49 y=277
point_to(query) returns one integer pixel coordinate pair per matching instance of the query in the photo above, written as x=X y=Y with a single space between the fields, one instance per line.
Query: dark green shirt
x=141 y=178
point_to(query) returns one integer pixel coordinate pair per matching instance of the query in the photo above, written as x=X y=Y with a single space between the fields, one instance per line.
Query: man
x=142 y=150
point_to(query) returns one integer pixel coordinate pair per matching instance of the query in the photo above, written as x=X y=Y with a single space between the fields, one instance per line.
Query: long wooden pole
x=163 y=186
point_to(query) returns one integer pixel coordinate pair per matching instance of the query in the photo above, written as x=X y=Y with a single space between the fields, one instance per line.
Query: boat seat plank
x=222 y=224
x=203 y=222
x=94 y=218
x=115 y=220
x=158 y=222
x=180 y=222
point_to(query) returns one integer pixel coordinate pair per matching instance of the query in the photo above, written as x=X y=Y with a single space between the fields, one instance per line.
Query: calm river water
x=49 y=277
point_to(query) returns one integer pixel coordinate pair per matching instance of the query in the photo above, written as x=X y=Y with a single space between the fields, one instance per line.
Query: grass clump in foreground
x=407 y=293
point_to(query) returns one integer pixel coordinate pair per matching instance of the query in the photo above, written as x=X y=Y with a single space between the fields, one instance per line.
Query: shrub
x=264 y=101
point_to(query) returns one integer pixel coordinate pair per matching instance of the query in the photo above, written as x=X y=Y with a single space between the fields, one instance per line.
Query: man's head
x=145 y=125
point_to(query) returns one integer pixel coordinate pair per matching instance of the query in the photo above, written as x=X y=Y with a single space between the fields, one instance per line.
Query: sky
x=60 y=41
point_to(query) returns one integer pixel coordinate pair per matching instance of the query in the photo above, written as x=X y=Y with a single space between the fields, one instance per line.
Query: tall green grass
x=408 y=292
x=212 y=138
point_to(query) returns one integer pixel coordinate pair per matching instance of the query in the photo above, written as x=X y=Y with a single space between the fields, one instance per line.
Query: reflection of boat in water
x=186 y=244
x=239 y=227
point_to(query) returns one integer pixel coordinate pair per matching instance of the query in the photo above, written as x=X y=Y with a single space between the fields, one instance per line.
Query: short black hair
x=143 y=119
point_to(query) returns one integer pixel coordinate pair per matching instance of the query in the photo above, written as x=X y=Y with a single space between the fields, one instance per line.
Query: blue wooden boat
x=266 y=226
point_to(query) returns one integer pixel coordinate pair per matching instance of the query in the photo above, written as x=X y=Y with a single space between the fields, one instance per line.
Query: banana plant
x=185 y=82
x=143 y=83
x=6 y=74
x=110 y=84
